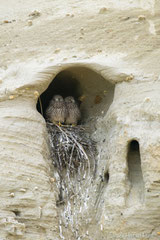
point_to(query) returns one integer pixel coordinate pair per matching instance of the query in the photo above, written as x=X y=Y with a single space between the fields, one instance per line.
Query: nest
x=71 y=147
x=73 y=155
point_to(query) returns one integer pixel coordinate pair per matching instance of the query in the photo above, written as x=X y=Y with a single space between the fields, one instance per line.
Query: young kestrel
x=56 y=111
x=73 y=112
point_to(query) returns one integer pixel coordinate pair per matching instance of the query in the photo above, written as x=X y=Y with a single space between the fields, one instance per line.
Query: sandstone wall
x=112 y=50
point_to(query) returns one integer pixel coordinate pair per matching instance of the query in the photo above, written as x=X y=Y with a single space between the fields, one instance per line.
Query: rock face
x=25 y=173
x=107 y=54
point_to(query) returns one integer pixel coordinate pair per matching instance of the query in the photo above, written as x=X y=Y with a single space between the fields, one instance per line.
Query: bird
x=73 y=112
x=56 y=111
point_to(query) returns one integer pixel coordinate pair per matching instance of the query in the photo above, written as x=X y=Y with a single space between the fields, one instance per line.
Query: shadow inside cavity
x=135 y=176
x=93 y=93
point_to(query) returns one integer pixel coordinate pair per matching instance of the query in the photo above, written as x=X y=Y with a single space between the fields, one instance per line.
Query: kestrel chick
x=56 y=111
x=73 y=112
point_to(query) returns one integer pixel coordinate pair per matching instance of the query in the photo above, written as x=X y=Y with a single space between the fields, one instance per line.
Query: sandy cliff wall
x=112 y=51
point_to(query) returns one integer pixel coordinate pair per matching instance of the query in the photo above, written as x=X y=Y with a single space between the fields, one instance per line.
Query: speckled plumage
x=73 y=113
x=56 y=111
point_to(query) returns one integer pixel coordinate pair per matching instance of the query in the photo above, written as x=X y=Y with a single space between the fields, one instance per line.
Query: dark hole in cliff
x=92 y=92
x=106 y=177
x=134 y=146
x=17 y=213
x=135 y=171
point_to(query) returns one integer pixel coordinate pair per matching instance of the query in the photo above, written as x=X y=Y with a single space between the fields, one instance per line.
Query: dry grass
x=73 y=154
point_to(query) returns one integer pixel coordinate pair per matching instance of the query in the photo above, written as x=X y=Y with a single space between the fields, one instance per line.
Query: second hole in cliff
x=135 y=173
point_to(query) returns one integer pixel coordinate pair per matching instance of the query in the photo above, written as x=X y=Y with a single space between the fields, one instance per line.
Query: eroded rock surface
x=115 y=46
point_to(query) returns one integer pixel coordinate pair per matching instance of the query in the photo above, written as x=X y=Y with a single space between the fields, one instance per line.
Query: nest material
x=73 y=154
x=71 y=147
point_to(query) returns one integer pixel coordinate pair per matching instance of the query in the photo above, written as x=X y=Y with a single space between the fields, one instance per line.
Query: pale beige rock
x=112 y=49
